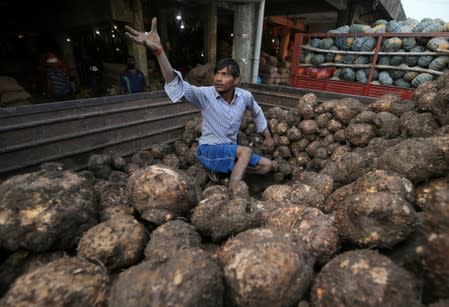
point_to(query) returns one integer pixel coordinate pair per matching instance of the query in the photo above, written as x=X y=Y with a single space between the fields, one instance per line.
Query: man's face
x=224 y=81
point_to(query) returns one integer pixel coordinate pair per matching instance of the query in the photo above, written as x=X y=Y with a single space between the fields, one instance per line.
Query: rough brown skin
x=142 y=158
x=45 y=210
x=347 y=168
x=117 y=243
x=365 y=117
x=417 y=159
x=170 y=237
x=385 y=181
x=440 y=106
x=264 y=268
x=387 y=125
x=22 y=262
x=384 y=103
x=308 y=126
x=306 y=105
x=359 y=134
x=334 y=201
x=221 y=218
x=378 y=219
x=160 y=193
x=346 y=109
x=189 y=278
x=363 y=278
x=418 y=124
x=299 y=193
x=435 y=249
x=68 y=281
x=428 y=192
x=112 y=199
x=324 y=184
x=100 y=165
x=315 y=229
x=171 y=160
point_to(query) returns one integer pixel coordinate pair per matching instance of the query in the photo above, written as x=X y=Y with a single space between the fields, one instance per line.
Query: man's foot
x=213 y=177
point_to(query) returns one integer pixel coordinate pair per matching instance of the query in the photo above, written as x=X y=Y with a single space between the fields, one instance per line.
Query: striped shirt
x=220 y=120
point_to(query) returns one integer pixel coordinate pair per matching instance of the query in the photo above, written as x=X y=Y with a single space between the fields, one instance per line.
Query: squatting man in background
x=222 y=108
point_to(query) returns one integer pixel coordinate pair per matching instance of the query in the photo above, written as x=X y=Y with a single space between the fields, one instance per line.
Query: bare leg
x=243 y=157
x=264 y=167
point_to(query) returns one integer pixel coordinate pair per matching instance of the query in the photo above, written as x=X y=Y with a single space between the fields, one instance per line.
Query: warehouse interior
x=89 y=35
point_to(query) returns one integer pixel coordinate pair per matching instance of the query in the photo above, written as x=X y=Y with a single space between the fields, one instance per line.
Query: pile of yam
x=356 y=213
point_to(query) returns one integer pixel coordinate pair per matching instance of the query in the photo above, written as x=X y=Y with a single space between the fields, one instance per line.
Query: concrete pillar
x=244 y=34
x=139 y=51
x=211 y=33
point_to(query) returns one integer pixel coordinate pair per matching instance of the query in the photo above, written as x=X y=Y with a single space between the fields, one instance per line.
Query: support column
x=139 y=51
x=244 y=32
x=211 y=33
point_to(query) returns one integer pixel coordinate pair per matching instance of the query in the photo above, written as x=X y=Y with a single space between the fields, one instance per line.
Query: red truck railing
x=298 y=78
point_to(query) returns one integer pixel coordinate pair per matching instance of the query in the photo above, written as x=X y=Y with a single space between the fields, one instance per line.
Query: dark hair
x=228 y=62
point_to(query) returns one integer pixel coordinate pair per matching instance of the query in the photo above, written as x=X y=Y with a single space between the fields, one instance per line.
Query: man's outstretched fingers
x=154 y=25
x=131 y=30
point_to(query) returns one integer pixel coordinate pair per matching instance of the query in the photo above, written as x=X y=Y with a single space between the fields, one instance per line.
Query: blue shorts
x=221 y=158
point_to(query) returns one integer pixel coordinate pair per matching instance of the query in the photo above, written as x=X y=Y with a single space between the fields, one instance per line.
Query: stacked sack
x=272 y=71
x=399 y=77
x=12 y=94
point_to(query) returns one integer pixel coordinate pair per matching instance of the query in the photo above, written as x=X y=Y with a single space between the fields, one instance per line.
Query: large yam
x=170 y=237
x=45 y=210
x=385 y=181
x=190 y=278
x=306 y=105
x=297 y=194
x=387 y=125
x=347 y=168
x=264 y=268
x=118 y=242
x=418 y=124
x=160 y=193
x=440 y=105
x=417 y=159
x=69 y=281
x=112 y=199
x=428 y=192
x=435 y=249
x=378 y=219
x=323 y=183
x=221 y=218
x=315 y=229
x=346 y=109
x=363 y=278
x=359 y=134
x=22 y=262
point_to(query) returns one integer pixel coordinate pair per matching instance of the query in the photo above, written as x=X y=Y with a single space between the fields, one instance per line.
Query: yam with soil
x=263 y=267
x=160 y=193
x=315 y=229
x=45 y=210
x=189 y=278
x=68 y=281
x=117 y=243
x=375 y=219
x=363 y=278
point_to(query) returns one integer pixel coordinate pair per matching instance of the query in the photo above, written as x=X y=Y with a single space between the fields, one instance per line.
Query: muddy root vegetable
x=100 y=165
x=112 y=199
x=418 y=124
x=324 y=184
x=69 y=281
x=315 y=229
x=45 y=210
x=379 y=219
x=299 y=193
x=359 y=134
x=117 y=243
x=170 y=237
x=263 y=267
x=363 y=278
x=189 y=278
x=160 y=193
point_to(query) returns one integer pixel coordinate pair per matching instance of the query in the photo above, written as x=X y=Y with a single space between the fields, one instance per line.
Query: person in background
x=222 y=108
x=132 y=80
x=58 y=80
